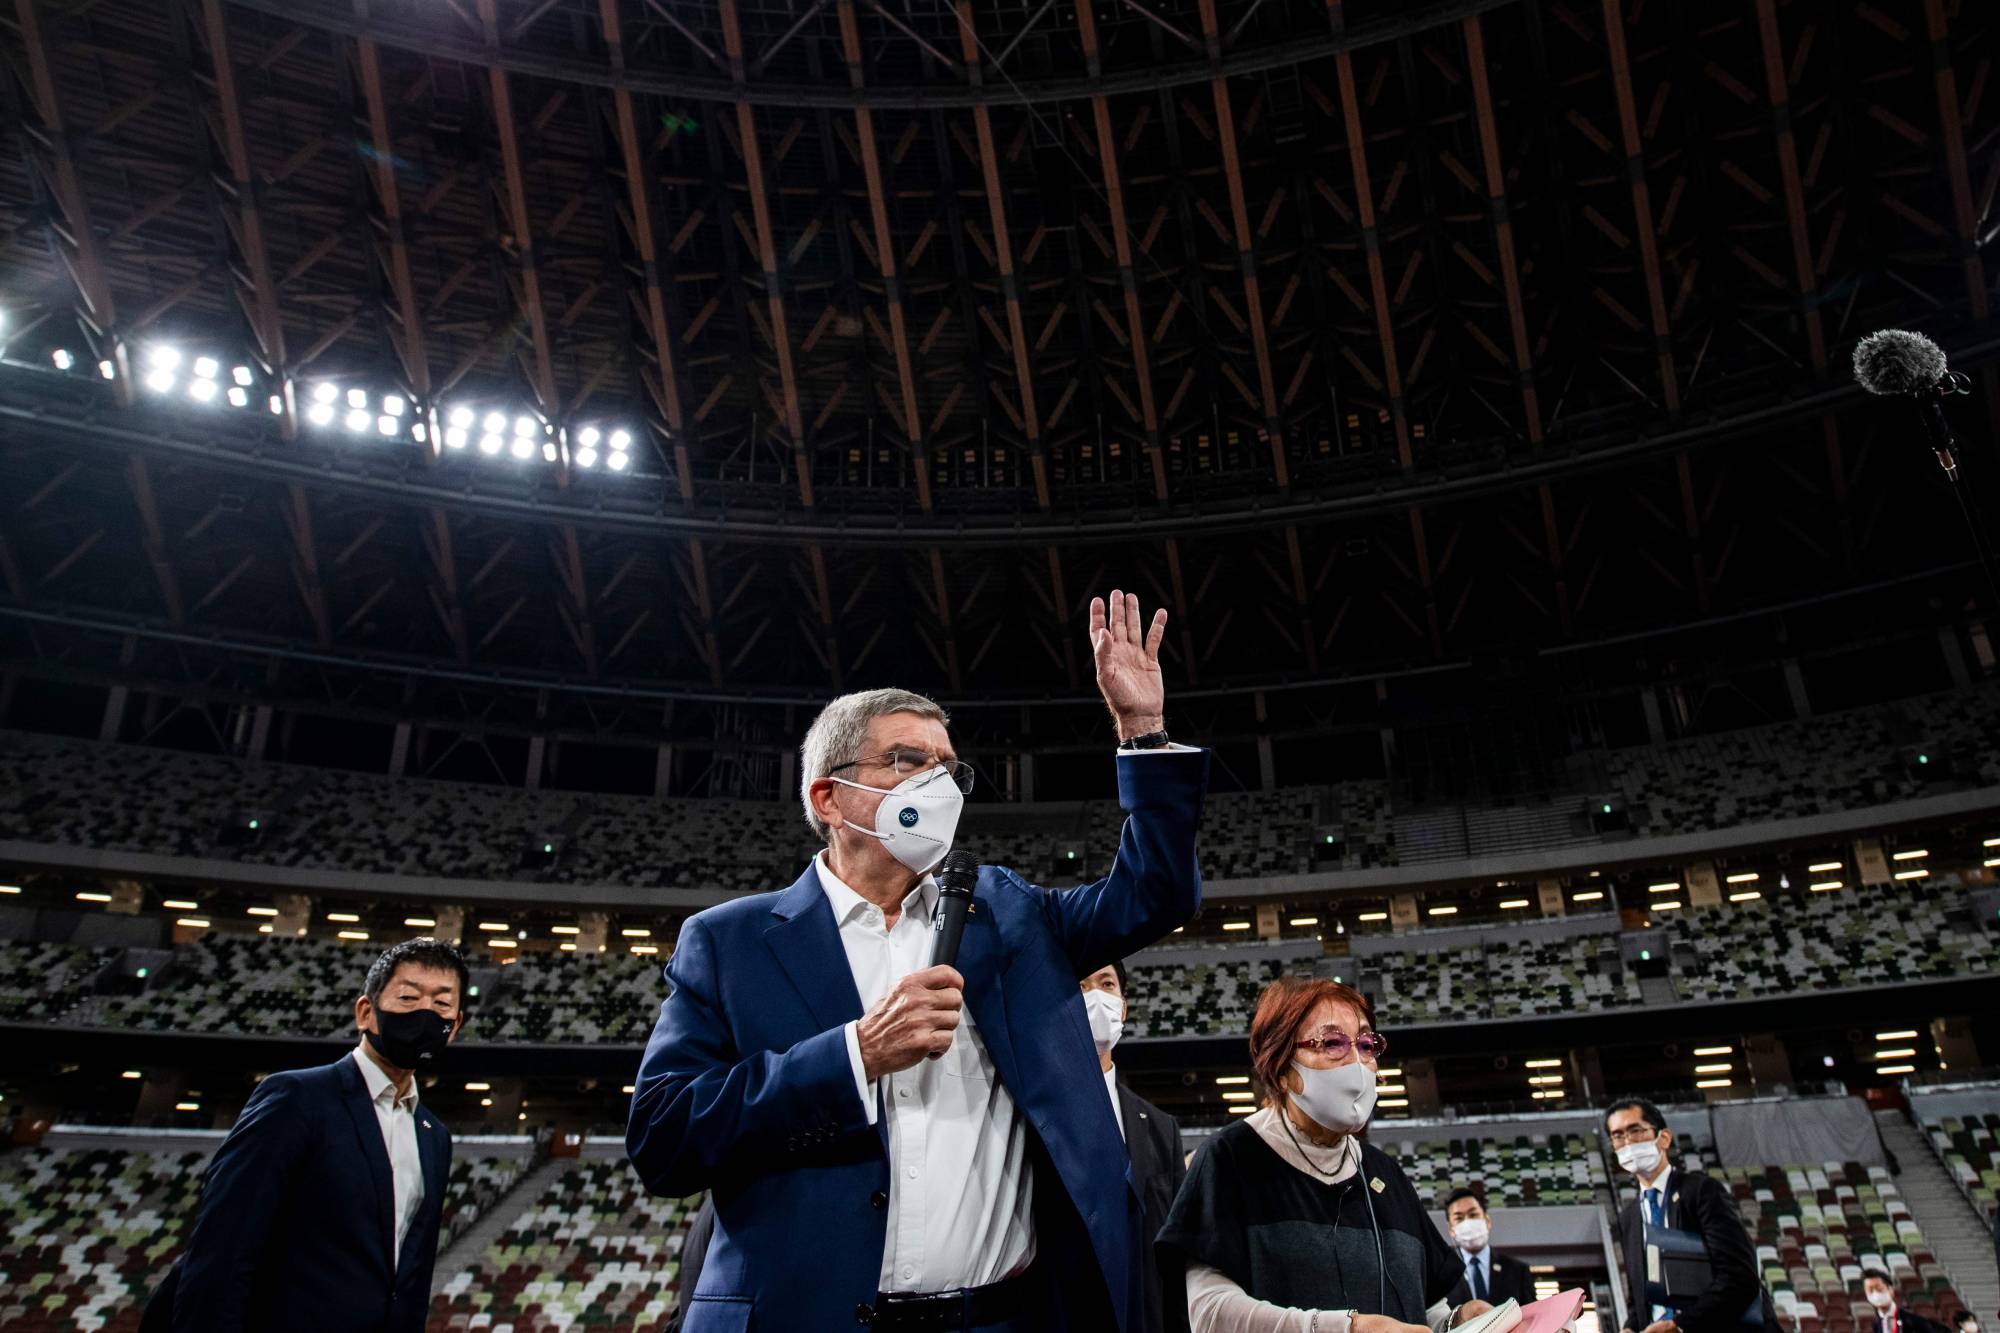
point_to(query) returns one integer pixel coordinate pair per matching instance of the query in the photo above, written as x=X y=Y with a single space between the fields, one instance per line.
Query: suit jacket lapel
x=806 y=941
x=979 y=962
x=368 y=1134
x=430 y=1156
x=1139 y=1145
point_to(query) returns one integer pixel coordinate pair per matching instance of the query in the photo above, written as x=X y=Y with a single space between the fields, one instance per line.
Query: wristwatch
x=1152 y=740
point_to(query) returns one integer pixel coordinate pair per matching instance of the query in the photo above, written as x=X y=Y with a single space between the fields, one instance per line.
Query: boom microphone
x=956 y=877
x=1895 y=363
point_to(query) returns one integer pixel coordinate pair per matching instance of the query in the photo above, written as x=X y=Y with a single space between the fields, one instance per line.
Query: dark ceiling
x=1365 y=337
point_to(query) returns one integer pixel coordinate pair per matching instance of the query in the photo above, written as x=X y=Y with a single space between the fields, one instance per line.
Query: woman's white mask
x=1341 y=1098
x=917 y=817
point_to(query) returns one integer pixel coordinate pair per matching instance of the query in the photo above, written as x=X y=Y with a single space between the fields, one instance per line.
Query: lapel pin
x=427 y=1124
x=1375 y=1183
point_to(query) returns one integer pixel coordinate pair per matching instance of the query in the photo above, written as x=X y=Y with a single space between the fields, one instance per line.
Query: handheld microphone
x=1895 y=363
x=956 y=876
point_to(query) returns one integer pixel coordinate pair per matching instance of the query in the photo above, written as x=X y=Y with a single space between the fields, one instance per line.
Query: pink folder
x=1551 y=1313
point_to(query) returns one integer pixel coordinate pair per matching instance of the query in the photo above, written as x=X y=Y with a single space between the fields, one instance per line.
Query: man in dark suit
x=1153 y=1142
x=1891 y=1315
x=893 y=1145
x=319 y=1213
x=1488 y=1276
x=1680 y=1200
x=694 y=1253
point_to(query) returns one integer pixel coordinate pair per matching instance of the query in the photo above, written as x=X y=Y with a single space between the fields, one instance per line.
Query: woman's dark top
x=1290 y=1239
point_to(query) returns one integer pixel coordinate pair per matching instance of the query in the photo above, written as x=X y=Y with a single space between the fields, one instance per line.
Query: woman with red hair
x=1288 y=1222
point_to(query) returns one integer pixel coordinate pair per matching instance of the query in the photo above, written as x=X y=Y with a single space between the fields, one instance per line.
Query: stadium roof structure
x=1365 y=336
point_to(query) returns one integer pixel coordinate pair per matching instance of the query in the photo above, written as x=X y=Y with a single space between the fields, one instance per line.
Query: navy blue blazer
x=746 y=1090
x=296 y=1230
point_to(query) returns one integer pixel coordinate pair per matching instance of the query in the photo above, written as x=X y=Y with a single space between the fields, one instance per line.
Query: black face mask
x=410 y=1038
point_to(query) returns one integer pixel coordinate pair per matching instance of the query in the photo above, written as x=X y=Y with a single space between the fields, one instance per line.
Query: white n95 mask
x=917 y=817
x=1104 y=1010
x=1471 y=1234
x=1341 y=1098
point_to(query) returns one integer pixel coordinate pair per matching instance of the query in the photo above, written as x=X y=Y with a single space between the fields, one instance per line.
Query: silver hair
x=841 y=729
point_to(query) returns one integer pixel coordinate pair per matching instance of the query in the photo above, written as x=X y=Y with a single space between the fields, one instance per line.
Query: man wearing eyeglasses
x=1674 y=1198
x=895 y=1146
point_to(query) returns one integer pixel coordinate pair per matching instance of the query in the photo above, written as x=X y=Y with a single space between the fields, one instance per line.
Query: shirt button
x=913 y=1173
x=908 y=1272
x=904 y=1093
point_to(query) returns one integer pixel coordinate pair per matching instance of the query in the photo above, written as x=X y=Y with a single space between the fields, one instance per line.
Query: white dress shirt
x=1663 y=1184
x=398 y=1118
x=1111 y=1090
x=961 y=1194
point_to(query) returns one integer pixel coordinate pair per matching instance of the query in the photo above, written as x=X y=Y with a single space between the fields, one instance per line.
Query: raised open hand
x=1128 y=663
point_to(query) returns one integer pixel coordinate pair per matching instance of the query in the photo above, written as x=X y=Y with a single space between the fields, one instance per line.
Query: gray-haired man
x=900 y=1146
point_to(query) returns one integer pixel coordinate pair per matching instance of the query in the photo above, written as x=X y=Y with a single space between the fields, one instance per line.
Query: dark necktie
x=1478 y=1278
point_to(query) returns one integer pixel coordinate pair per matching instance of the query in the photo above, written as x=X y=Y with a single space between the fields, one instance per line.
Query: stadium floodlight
x=524 y=427
x=388 y=425
x=205 y=367
x=586 y=457
x=394 y=405
x=320 y=414
x=238 y=396
x=357 y=398
x=62 y=359
x=357 y=420
x=522 y=448
x=455 y=437
x=588 y=437
x=323 y=392
x=462 y=417
x=277 y=406
x=160 y=380
x=617 y=462
x=495 y=423
x=161 y=356
x=240 y=375
x=621 y=440
x=420 y=432
x=490 y=444
x=548 y=451
x=202 y=391
x=106 y=370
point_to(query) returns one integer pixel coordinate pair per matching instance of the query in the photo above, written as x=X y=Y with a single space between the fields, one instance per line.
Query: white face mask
x=1106 y=1012
x=1341 y=1099
x=1641 y=1159
x=917 y=817
x=1471 y=1234
x=1881 y=1300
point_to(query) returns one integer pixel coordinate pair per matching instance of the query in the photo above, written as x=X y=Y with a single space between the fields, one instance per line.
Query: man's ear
x=824 y=805
x=362 y=1009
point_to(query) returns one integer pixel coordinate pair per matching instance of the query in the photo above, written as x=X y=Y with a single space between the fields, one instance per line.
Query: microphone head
x=958 y=872
x=1896 y=361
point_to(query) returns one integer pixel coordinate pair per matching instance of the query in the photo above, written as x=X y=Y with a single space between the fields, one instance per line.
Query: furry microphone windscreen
x=1896 y=361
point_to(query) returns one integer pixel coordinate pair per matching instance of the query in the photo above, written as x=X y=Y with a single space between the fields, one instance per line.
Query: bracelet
x=1152 y=740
